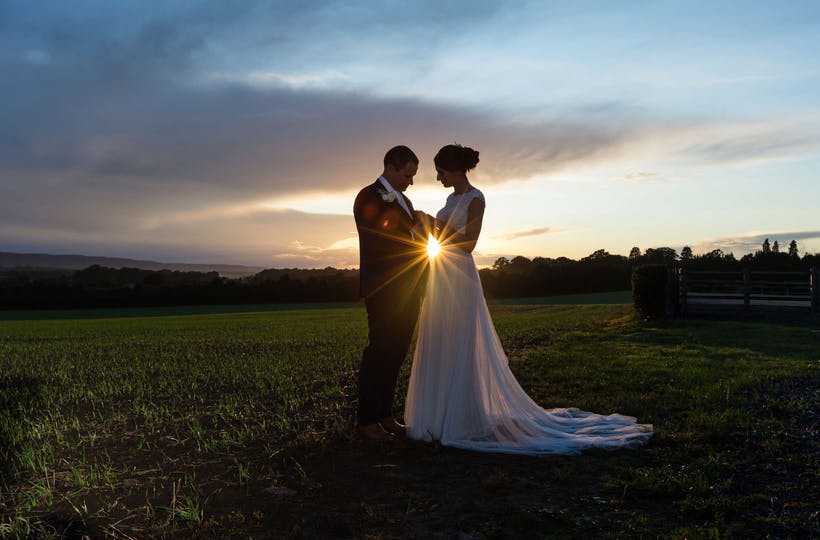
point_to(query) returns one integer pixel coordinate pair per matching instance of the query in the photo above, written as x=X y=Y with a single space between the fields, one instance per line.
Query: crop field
x=230 y=423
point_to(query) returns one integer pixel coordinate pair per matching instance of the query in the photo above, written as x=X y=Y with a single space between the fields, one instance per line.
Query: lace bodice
x=455 y=209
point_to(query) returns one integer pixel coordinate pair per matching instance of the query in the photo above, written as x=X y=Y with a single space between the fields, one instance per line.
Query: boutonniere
x=388 y=196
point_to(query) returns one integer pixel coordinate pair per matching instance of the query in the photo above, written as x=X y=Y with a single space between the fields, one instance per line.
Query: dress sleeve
x=478 y=195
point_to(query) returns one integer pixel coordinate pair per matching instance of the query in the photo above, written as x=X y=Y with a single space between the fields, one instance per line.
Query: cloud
x=127 y=130
x=743 y=143
x=753 y=242
x=140 y=158
x=638 y=177
x=523 y=234
x=111 y=140
x=126 y=100
x=263 y=237
x=323 y=79
x=253 y=141
x=341 y=254
x=114 y=142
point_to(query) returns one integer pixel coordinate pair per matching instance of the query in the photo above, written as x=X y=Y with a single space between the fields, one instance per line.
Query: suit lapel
x=409 y=206
x=380 y=186
x=409 y=211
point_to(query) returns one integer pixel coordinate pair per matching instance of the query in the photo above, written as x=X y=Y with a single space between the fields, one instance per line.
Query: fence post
x=814 y=287
x=747 y=287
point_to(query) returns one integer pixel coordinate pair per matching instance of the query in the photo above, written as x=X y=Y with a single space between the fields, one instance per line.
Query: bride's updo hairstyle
x=455 y=157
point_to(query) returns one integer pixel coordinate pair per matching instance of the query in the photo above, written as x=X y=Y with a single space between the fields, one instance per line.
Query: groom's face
x=401 y=178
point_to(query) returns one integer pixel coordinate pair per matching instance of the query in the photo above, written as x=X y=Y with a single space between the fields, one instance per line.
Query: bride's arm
x=466 y=241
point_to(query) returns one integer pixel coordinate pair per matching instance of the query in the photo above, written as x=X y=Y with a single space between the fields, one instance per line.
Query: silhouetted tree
x=660 y=255
x=686 y=253
x=500 y=263
x=596 y=255
x=793 y=249
x=810 y=260
x=766 y=247
x=519 y=265
x=775 y=247
x=716 y=254
x=634 y=254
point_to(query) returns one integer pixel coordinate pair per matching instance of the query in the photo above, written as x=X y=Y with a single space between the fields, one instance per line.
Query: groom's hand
x=420 y=230
x=425 y=219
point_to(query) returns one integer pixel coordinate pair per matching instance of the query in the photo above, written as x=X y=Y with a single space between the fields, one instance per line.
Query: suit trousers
x=391 y=319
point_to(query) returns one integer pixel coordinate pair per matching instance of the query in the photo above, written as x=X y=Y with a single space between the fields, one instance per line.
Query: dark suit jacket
x=388 y=256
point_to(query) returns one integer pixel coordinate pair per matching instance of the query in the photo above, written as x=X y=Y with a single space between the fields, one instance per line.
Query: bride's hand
x=425 y=219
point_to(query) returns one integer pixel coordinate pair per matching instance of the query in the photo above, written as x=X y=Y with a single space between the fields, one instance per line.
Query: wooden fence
x=748 y=288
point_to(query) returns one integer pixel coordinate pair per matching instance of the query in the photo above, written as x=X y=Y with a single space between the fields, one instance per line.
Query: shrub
x=650 y=293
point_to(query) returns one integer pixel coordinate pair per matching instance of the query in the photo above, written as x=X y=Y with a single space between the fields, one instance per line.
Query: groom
x=393 y=272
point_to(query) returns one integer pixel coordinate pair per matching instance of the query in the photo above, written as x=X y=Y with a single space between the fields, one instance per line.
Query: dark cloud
x=274 y=140
x=122 y=97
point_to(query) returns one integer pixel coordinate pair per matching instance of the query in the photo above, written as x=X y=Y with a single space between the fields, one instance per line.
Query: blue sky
x=240 y=132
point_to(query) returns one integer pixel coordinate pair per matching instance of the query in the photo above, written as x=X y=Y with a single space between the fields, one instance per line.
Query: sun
x=433 y=247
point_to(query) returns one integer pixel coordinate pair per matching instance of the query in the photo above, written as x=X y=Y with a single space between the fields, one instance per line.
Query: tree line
x=602 y=271
x=98 y=286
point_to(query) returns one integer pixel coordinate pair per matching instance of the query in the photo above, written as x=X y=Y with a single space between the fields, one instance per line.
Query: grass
x=231 y=422
x=616 y=297
x=613 y=297
x=129 y=312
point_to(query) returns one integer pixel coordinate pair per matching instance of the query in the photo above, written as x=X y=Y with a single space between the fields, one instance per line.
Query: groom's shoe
x=392 y=426
x=374 y=433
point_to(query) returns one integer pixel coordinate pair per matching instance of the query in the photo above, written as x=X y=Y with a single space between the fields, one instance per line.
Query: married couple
x=461 y=392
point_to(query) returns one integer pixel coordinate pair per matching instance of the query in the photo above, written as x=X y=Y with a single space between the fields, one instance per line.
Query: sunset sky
x=240 y=132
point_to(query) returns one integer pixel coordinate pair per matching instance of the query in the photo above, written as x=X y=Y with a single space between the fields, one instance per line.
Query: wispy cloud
x=638 y=177
x=524 y=234
x=740 y=143
x=293 y=80
x=341 y=254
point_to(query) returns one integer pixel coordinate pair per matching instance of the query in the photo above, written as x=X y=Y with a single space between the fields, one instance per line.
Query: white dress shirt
x=399 y=196
x=399 y=199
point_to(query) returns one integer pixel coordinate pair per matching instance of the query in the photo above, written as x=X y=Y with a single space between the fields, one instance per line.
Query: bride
x=462 y=392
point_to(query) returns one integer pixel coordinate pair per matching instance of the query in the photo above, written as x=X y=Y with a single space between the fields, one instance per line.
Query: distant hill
x=79 y=262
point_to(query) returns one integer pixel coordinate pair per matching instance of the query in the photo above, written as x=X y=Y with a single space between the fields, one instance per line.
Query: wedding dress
x=462 y=392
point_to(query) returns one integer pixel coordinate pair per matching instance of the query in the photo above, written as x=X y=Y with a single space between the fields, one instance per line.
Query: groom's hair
x=399 y=156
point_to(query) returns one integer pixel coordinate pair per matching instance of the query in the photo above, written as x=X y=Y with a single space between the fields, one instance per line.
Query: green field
x=226 y=422
x=617 y=297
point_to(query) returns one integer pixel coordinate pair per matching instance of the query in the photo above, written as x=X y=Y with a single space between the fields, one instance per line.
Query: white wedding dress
x=462 y=392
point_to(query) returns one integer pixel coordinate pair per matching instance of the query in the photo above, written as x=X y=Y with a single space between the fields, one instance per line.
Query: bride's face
x=445 y=177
